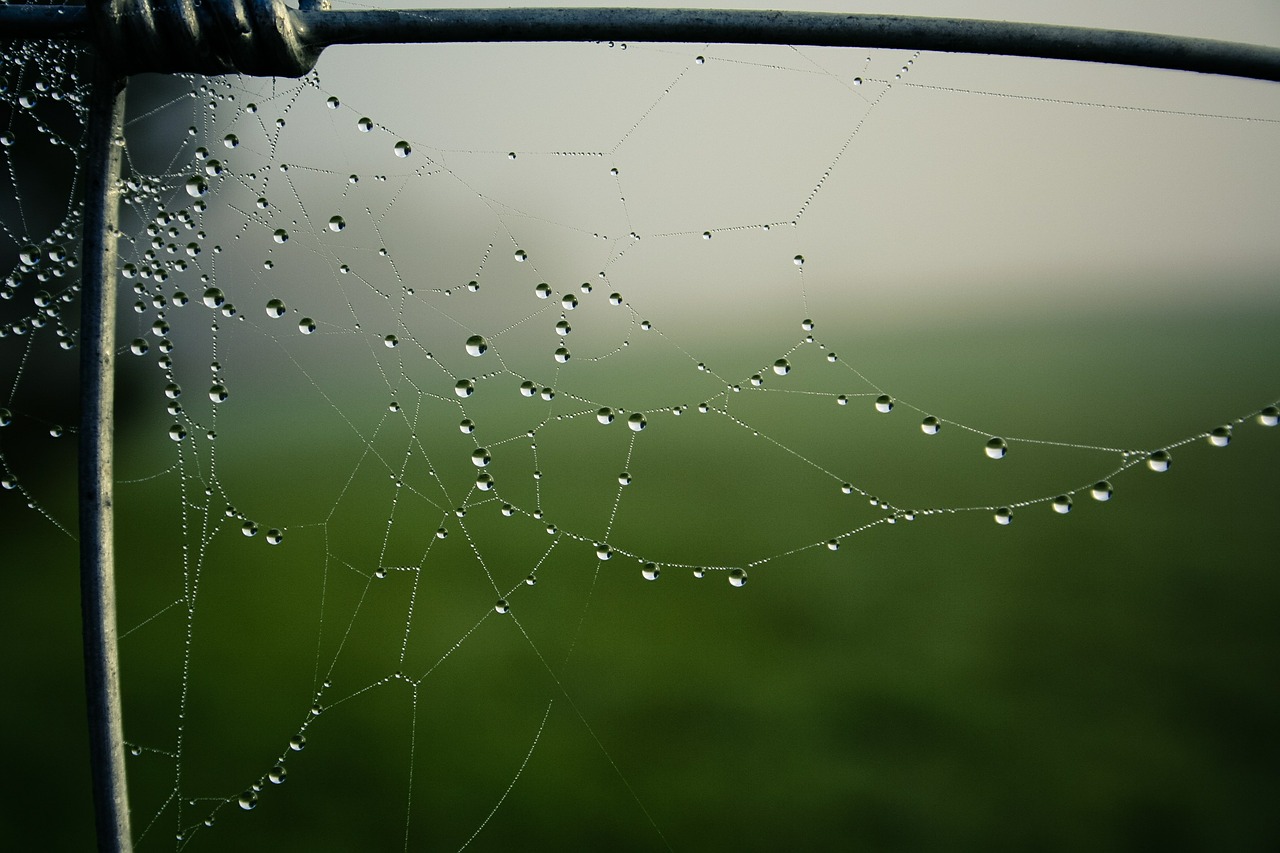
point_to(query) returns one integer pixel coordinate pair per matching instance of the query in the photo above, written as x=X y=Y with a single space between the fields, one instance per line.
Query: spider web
x=582 y=444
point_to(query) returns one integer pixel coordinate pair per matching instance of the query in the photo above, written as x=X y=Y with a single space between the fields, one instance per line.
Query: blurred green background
x=1102 y=680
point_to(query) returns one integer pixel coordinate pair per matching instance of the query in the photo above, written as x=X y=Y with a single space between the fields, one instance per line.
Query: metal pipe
x=97 y=399
x=298 y=36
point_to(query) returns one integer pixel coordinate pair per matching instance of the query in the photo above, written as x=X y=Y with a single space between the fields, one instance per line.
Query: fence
x=262 y=37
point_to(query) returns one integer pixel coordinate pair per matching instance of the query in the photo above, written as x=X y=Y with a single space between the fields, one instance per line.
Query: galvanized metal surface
x=96 y=471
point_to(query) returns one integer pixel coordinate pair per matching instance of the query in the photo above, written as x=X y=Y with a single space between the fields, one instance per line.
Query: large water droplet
x=1220 y=436
x=568 y=302
x=650 y=572
x=561 y=354
x=480 y=457
x=930 y=425
x=884 y=404
x=1159 y=461
x=214 y=298
x=624 y=479
x=1062 y=504
x=139 y=346
x=306 y=325
x=484 y=482
x=521 y=256
x=477 y=346
x=1101 y=491
x=391 y=341
x=277 y=775
x=249 y=800
x=543 y=290
x=1004 y=515
x=501 y=606
x=298 y=743
x=197 y=186
x=528 y=389
x=782 y=367
x=605 y=415
x=996 y=448
x=365 y=124
x=737 y=577
x=177 y=433
x=275 y=308
x=636 y=421
x=1269 y=417
x=274 y=536
x=337 y=223
x=603 y=551
x=403 y=149
x=218 y=393
x=467 y=426
x=6 y=417
x=464 y=388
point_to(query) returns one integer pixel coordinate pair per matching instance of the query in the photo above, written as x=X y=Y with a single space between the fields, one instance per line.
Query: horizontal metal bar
x=309 y=31
x=949 y=35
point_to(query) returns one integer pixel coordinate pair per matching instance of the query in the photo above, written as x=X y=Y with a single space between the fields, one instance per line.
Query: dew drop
x=197 y=187
x=568 y=302
x=531 y=580
x=603 y=551
x=306 y=325
x=441 y=533
x=807 y=324
x=6 y=417
x=930 y=425
x=1159 y=461
x=563 y=328
x=391 y=341
x=528 y=389
x=477 y=346
x=857 y=81
x=1101 y=491
x=139 y=347
x=218 y=393
x=1062 y=504
x=484 y=482
x=543 y=290
x=624 y=479
x=248 y=800
x=737 y=577
x=466 y=427
x=280 y=236
x=177 y=433
x=996 y=448
x=605 y=415
x=480 y=457
x=249 y=529
x=1004 y=515
x=403 y=149
x=274 y=536
x=636 y=422
x=214 y=298
x=706 y=235
x=464 y=388
x=332 y=102
x=337 y=223
x=277 y=775
x=782 y=367
x=501 y=606
x=231 y=140
x=297 y=743
x=1220 y=436
x=798 y=260
x=1269 y=417
x=275 y=308
x=884 y=404
x=650 y=572
x=521 y=256
x=615 y=298
x=365 y=124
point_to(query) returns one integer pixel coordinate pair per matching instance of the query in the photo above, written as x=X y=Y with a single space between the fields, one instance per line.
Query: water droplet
x=501 y=606
x=214 y=298
x=218 y=393
x=563 y=328
x=636 y=422
x=700 y=60
x=1159 y=461
x=521 y=256
x=484 y=482
x=1062 y=504
x=231 y=140
x=806 y=324
x=306 y=325
x=603 y=551
x=531 y=580
x=477 y=346
x=930 y=425
x=337 y=223
x=650 y=572
x=605 y=415
x=568 y=302
x=274 y=536
x=403 y=149
x=543 y=290
x=1101 y=491
x=248 y=800
x=798 y=260
x=197 y=186
x=467 y=426
x=1220 y=436
x=6 y=417
x=249 y=529
x=857 y=81
x=884 y=404
x=391 y=341
x=177 y=433
x=737 y=577
x=480 y=457
x=441 y=533
x=996 y=448
x=782 y=367
x=332 y=102
x=464 y=388
x=624 y=479
x=615 y=298
x=277 y=775
x=139 y=347
x=1004 y=515
x=528 y=389
x=298 y=743
x=280 y=236
x=1269 y=417
x=365 y=124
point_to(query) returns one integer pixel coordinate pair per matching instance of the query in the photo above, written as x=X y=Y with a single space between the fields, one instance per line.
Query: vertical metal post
x=97 y=400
